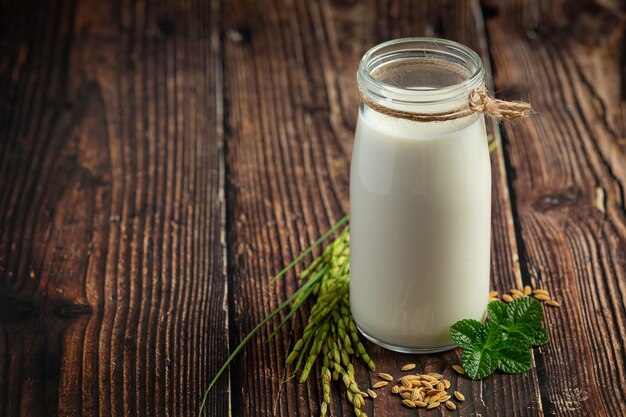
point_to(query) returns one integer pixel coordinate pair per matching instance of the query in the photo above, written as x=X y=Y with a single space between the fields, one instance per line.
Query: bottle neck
x=420 y=75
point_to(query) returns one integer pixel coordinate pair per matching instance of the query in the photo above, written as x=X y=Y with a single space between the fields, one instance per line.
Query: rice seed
x=507 y=298
x=426 y=390
x=380 y=384
x=517 y=292
x=437 y=397
x=415 y=395
x=459 y=369
x=409 y=366
x=516 y=296
x=432 y=380
x=359 y=402
x=542 y=297
x=409 y=403
x=355 y=389
x=323 y=409
x=541 y=292
x=553 y=303
x=364 y=394
x=426 y=384
x=420 y=395
x=372 y=393
x=385 y=376
x=493 y=294
x=493 y=299
x=527 y=290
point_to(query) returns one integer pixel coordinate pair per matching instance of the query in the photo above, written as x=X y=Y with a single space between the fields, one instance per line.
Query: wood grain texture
x=112 y=270
x=160 y=160
x=567 y=168
x=290 y=89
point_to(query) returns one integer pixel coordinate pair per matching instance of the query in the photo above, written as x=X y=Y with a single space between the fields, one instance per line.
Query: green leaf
x=529 y=335
x=514 y=360
x=521 y=334
x=479 y=363
x=467 y=333
x=493 y=337
x=504 y=341
x=521 y=320
x=473 y=334
x=540 y=337
x=525 y=310
x=497 y=312
x=482 y=342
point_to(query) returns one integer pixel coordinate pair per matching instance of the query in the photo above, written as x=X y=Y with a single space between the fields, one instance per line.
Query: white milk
x=420 y=208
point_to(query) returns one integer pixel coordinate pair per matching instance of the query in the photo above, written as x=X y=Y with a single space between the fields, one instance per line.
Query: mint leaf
x=467 y=333
x=503 y=342
x=479 y=363
x=513 y=360
x=482 y=343
x=540 y=337
x=496 y=311
x=493 y=338
x=525 y=319
x=519 y=331
x=525 y=310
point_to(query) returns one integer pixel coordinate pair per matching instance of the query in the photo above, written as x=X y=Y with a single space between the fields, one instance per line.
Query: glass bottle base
x=403 y=349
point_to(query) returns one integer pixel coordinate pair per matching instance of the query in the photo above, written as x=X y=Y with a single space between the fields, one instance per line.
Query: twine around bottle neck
x=479 y=101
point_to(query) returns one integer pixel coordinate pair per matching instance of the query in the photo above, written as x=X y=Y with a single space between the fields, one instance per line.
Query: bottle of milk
x=420 y=195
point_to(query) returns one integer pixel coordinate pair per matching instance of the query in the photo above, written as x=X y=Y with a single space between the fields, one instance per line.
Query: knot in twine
x=479 y=101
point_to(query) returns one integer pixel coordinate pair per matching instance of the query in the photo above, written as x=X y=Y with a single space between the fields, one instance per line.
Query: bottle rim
x=446 y=52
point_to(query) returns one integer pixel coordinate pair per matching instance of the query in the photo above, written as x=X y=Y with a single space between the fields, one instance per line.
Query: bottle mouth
x=419 y=71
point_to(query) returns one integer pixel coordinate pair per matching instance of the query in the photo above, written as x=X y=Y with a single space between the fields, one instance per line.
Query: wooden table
x=160 y=161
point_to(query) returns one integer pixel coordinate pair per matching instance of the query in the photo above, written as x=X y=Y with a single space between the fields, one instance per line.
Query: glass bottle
x=420 y=196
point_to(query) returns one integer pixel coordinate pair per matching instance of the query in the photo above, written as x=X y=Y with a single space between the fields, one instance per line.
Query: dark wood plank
x=568 y=165
x=290 y=89
x=112 y=270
